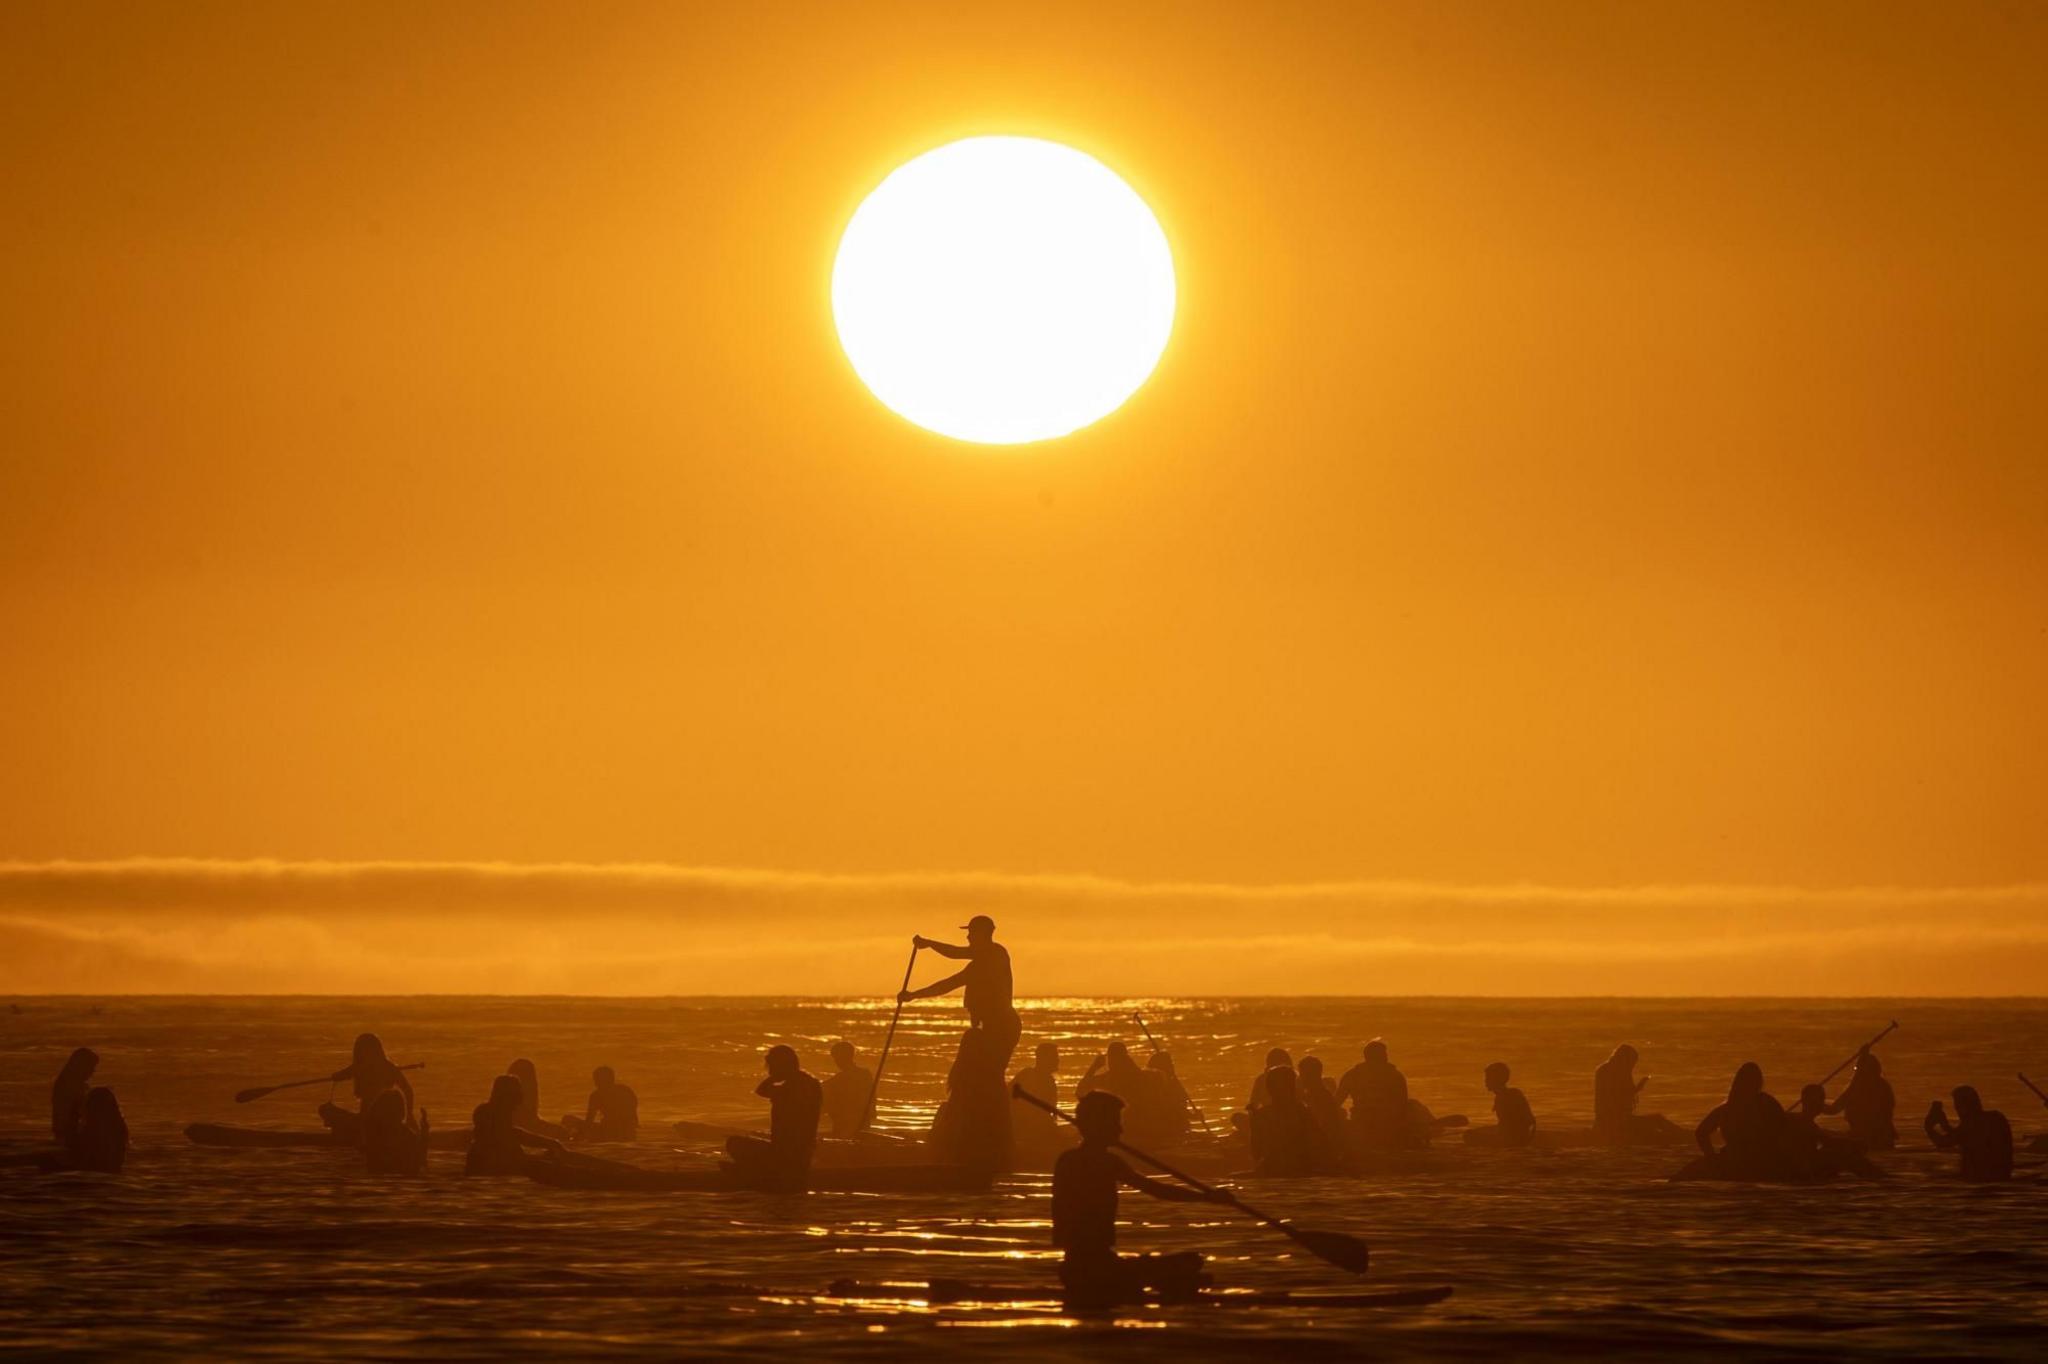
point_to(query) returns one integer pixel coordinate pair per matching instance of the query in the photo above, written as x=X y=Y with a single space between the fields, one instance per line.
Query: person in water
x=1812 y=1151
x=795 y=1098
x=1147 y=1114
x=67 y=1095
x=392 y=1145
x=1615 y=1092
x=1084 y=1199
x=1035 y=1131
x=528 y=1114
x=974 y=1125
x=1751 y=1126
x=498 y=1140
x=1276 y=1057
x=1167 y=1097
x=612 y=1113
x=1319 y=1097
x=1378 y=1094
x=1980 y=1135
x=371 y=1075
x=847 y=1091
x=1285 y=1141
x=98 y=1140
x=1514 y=1120
x=1868 y=1104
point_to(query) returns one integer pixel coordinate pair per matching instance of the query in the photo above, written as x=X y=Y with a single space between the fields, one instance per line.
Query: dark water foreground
x=296 y=1254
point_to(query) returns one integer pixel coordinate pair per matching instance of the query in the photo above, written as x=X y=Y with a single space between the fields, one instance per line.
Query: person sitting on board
x=1166 y=1097
x=1751 y=1126
x=1514 y=1120
x=783 y=1161
x=1084 y=1199
x=1980 y=1135
x=1615 y=1091
x=1285 y=1141
x=98 y=1139
x=1114 y=1072
x=1241 y=1121
x=371 y=1075
x=1868 y=1104
x=1319 y=1097
x=1035 y=1131
x=1378 y=1092
x=1813 y=1151
x=1276 y=1057
x=498 y=1140
x=847 y=1091
x=528 y=1117
x=612 y=1112
x=1145 y=1115
x=391 y=1144
x=974 y=1123
x=67 y=1094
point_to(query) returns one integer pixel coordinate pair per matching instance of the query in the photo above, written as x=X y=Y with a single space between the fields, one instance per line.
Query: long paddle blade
x=1348 y=1253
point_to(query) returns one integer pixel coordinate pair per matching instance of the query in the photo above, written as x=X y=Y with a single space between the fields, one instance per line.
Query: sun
x=1003 y=290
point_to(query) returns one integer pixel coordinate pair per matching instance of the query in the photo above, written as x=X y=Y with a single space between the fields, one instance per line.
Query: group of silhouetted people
x=85 y=1119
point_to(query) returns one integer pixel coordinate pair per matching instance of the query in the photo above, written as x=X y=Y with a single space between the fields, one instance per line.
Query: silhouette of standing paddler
x=973 y=1127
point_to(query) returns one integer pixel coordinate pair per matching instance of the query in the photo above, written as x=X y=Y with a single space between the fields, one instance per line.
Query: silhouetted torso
x=793 y=1107
x=1379 y=1102
x=99 y=1139
x=1513 y=1116
x=846 y=1099
x=1614 y=1100
x=1283 y=1139
x=1868 y=1106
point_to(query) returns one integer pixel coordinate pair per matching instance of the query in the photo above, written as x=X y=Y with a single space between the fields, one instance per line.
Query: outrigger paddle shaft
x=867 y=1118
x=264 y=1091
x=1859 y=1052
x=1193 y=1107
x=1346 y=1252
x=2036 y=1088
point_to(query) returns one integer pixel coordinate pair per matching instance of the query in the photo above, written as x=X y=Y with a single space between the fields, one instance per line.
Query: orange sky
x=1599 y=445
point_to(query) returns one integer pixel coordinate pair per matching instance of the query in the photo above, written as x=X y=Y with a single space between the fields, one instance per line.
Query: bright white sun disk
x=1002 y=290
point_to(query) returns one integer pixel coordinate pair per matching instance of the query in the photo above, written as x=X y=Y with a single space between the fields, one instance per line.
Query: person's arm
x=766 y=1089
x=406 y=1085
x=1703 y=1134
x=347 y=1072
x=944 y=949
x=590 y=1108
x=1937 y=1128
x=1167 y=1192
x=935 y=989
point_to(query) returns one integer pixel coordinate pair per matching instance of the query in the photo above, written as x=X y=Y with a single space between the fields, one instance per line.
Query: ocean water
x=299 y=1254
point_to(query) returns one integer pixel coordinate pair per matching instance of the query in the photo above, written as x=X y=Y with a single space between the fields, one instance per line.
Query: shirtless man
x=1084 y=1198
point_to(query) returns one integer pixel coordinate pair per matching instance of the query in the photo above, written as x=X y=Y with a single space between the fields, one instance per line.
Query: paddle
x=1193 y=1107
x=889 y=1041
x=1348 y=1253
x=264 y=1091
x=2036 y=1088
x=1858 y=1052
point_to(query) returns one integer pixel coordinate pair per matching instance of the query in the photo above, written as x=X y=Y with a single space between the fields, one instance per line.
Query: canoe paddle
x=1858 y=1052
x=1193 y=1107
x=264 y=1091
x=875 y=1087
x=2036 y=1088
x=1348 y=1253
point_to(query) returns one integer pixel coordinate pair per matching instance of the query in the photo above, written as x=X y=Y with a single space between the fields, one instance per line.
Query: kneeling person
x=783 y=1161
x=1084 y=1194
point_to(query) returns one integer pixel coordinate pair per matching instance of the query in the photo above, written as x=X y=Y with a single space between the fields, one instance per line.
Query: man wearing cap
x=980 y=1124
x=1084 y=1195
